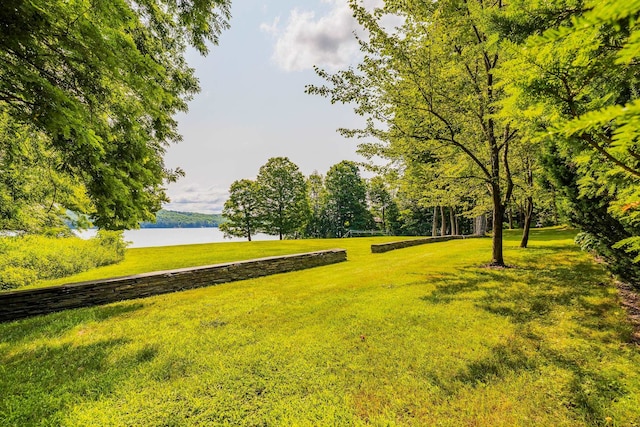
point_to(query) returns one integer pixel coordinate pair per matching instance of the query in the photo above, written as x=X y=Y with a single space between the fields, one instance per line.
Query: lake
x=147 y=237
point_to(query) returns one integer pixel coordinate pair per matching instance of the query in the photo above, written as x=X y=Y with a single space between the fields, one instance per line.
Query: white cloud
x=307 y=40
x=193 y=198
x=271 y=28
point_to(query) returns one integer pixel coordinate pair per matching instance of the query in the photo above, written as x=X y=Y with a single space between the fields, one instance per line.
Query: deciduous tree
x=242 y=210
x=382 y=204
x=317 y=225
x=346 y=199
x=35 y=191
x=283 y=197
x=431 y=83
x=102 y=80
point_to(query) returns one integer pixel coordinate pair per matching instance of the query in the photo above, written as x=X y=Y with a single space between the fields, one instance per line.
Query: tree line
x=519 y=106
x=174 y=219
x=282 y=201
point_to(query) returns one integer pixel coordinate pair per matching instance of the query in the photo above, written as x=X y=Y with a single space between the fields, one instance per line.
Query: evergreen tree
x=574 y=77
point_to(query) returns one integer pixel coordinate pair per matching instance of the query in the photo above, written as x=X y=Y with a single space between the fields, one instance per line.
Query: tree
x=575 y=76
x=35 y=192
x=383 y=205
x=242 y=210
x=101 y=80
x=283 y=197
x=317 y=225
x=431 y=84
x=346 y=199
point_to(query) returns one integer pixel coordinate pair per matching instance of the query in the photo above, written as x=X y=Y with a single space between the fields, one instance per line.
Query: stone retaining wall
x=386 y=247
x=20 y=304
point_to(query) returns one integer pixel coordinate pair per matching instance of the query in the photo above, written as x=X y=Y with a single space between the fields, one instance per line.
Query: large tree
x=383 y=205
x=242 y=210
x=283 y=197
x=346 y=203
x=575 y=75
x=102 y=80
x=34 y=190
x=431 y=84
x=317 y=225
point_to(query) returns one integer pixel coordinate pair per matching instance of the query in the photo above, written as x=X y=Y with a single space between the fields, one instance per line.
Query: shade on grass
x=418 y=336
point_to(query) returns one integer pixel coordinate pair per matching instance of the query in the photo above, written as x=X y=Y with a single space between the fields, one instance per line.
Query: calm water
x=146 y=237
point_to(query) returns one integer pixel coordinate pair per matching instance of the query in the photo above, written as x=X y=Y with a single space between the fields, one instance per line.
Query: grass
x=144 y=260
x=416 y=337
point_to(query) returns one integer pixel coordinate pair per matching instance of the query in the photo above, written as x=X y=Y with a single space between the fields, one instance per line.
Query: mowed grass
x=423 y=336
x=144 y=260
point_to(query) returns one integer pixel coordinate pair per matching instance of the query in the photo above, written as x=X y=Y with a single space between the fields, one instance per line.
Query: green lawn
x=418 y=337
x=144 y=260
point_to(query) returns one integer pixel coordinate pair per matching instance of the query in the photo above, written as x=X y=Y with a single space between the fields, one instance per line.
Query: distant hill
x=173 y=219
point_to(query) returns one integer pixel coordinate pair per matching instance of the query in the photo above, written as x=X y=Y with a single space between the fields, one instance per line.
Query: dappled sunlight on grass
x=418 y=336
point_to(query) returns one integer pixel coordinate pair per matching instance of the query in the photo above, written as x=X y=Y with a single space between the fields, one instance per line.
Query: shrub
x=26 y=259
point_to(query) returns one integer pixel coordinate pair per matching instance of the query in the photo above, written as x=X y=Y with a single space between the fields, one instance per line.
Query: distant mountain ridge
x=174 y=219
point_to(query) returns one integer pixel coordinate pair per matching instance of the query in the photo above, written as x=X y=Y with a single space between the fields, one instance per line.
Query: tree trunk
x=384 y=224
x=555 y=206
x=443 y=224
x=457 y=226
x=510 y=218
x=528 y=216
x=452 y=221
x=480 y=226
x=434 y=225
x=498 y=217
x=248 y=230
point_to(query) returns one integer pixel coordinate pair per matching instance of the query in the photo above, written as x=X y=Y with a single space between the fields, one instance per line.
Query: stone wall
x=20 y=304
x=386 y=247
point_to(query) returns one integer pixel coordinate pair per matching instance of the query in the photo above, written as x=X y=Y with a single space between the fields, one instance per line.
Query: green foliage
x=112 y=242
x=242 y=210
x=173 y=219
x=27 y=259
x=346 y=200
x=276 y=203
x=575 y=81
x=101 y=81
x=317 y=226
x=429 y=92
x=383 y=205
x=35 y=189
x=283 y=198
x=421 y=336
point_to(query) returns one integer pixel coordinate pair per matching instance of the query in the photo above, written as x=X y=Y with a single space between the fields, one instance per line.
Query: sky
x=252 y=105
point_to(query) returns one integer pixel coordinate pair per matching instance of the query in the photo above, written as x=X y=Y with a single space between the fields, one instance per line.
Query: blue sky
x=252 y=105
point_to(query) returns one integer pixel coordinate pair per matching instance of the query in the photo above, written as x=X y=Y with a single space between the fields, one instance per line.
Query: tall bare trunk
x=443 y=224
x=555 y=206
x=480 y=225
x=434 y=224
x=528 y=216
x=498 y=217
x=452 y=221
x=528 y=208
